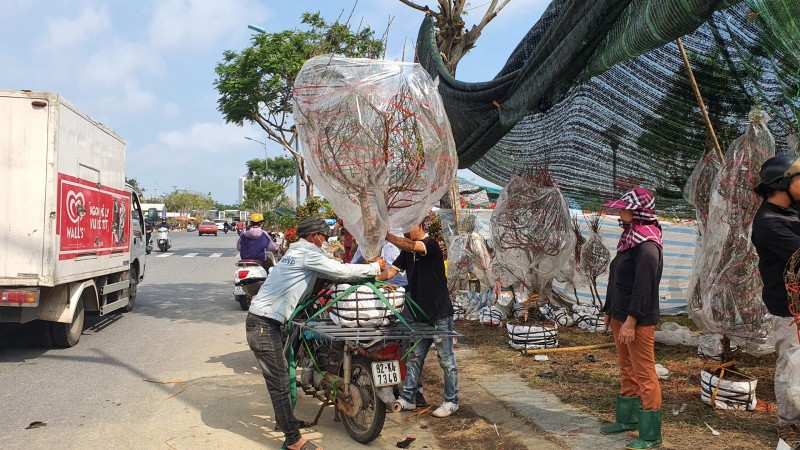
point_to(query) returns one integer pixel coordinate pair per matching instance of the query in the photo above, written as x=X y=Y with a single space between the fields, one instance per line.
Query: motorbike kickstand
x=325 y=404
x=336 y=413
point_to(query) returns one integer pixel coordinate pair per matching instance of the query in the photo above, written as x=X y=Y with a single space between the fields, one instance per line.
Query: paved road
x=176 y=373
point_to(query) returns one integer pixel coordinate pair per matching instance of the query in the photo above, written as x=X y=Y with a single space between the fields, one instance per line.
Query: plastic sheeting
x=363 y=308
x=377 y=142
x=531 y=232
x=467 y=254
x=727 y=292
x=640 y=119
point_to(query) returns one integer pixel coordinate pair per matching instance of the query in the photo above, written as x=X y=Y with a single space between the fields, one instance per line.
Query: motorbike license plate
x=386 y=373
x=238 y=290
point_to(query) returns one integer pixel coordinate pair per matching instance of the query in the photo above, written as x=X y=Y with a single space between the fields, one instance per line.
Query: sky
x=145 y=69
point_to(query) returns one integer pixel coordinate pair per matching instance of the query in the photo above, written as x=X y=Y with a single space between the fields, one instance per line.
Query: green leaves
x=260 y=78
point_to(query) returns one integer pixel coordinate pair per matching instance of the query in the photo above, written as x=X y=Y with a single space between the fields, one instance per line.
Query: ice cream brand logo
x=75 y=202
x=288 y=260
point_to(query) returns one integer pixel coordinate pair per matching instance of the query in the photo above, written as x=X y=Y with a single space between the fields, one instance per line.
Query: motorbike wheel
x=367 y=424
x=149 y=249
x=162 y=247
x=244 y=302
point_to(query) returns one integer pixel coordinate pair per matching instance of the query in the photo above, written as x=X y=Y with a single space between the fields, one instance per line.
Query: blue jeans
x=265 y=338
x=447 y=360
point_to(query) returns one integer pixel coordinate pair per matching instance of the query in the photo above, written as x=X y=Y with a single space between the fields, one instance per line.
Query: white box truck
x=73 y=235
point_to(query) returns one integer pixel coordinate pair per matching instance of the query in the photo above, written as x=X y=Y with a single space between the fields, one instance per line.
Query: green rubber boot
x=627 y=415
x=649 y=430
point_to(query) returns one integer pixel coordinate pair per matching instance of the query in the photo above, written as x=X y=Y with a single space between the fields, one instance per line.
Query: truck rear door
x=23 y=164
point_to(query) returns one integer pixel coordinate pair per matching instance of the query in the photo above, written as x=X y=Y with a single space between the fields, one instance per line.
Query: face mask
x=623 y=224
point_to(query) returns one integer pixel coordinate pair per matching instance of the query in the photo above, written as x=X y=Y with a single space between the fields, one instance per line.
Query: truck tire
x=133 y=274
x=68 y=334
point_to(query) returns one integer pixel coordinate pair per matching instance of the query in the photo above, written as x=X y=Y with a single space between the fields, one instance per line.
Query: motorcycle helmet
x=256 y=218
x=777 y=173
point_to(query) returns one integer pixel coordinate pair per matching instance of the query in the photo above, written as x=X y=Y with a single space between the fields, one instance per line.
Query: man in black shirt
x=423 y=261
x=776 y=236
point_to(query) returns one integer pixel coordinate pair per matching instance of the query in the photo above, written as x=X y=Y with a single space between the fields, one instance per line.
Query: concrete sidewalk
x=562 y=423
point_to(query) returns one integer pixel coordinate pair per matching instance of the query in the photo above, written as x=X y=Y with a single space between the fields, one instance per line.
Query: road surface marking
x=190 y=255
x=164 y=255
x=215 y=255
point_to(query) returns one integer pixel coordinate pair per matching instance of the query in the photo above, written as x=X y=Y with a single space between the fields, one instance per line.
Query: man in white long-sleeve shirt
x=290 y=281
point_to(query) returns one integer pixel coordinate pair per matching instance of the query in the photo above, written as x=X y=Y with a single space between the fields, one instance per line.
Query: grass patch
x=592 y=383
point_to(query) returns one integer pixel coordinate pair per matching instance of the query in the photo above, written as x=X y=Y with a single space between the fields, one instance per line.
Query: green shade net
x=597 y=93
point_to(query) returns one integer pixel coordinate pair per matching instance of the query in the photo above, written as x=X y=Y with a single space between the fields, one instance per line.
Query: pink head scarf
x=645 y=226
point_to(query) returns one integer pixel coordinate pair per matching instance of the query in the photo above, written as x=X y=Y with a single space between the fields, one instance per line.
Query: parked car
x=207 y=227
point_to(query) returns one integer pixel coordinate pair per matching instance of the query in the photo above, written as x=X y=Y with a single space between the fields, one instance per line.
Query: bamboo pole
x=700 y=102
x=567 y=349
x=456 y=201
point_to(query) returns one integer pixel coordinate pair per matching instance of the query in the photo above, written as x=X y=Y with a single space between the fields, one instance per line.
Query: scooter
x=247 y=280
x=163 y=240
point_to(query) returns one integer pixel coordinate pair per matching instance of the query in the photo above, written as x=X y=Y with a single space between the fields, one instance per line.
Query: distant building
x=241 y=189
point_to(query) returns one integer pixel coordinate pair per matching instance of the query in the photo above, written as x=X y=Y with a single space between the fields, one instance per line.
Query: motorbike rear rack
x=397 y=331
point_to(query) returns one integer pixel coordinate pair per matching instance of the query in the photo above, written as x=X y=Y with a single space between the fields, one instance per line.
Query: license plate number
x=386 y=373
x=238 y=290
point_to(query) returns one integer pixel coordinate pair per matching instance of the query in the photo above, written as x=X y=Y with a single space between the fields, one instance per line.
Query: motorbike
x=191 y=227
x=247 y=280
x=149 y=238
x=356 y=374
x=162 y=239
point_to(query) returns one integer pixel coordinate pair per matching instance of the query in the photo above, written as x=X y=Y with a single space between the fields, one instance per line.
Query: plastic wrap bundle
x=363 y=307
x=467 y=253
x=709 y=346
x=470 y=303
x=729 y=285
x=726 y=394
x=528 y=337
x=697 y=191
x=560 y=316
x=377 y=142
x=459 y=262
x=791 y=278
x=490 y=316
x=518 y=309
x=791 y=376
x=588 y=317
x=479 y=254
x=459 y=308
x=594 y=257
x=532 y=230
x=672 y=333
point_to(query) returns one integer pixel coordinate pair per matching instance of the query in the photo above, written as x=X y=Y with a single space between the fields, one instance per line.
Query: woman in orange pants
x=631 y=310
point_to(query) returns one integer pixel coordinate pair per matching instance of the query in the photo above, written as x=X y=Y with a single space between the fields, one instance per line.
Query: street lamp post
x=266 y=163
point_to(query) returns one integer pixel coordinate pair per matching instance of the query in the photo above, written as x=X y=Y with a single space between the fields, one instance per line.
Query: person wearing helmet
x=291 y=280
x=255 y=243
x=632 y=311
x=776 y=237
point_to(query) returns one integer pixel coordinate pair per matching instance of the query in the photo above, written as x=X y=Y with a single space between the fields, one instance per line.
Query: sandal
x=308 y=445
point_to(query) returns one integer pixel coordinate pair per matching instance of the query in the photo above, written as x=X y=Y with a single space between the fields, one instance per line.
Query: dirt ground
x=589 y=381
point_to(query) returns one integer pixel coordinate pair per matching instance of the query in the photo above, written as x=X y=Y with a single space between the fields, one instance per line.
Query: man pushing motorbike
x=290 y=281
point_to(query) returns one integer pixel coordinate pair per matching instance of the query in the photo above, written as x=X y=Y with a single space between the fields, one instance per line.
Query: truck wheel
x=244 y=302
x=133 y=274
x=68 y=334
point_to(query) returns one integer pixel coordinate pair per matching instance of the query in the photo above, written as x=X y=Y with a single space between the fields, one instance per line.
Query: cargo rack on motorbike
x=326 y=329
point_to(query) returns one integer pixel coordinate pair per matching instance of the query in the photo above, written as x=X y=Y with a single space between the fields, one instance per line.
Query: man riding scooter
x=255 y=243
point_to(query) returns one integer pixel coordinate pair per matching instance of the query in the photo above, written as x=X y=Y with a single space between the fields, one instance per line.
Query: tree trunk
x=451 y=38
